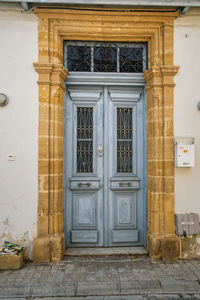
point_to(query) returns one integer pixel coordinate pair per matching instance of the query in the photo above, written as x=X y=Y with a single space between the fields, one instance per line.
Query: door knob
x=100 y=151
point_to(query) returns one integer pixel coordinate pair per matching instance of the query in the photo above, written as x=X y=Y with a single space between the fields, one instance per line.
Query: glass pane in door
x=84 y=139
x=124 y=140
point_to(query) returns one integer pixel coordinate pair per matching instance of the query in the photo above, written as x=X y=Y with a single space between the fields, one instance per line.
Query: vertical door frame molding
x=156 y=28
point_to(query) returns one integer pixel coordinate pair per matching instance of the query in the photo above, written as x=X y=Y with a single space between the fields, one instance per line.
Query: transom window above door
x=105 y=57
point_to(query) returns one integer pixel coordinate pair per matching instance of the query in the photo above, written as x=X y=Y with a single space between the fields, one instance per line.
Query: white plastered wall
x=18 y=126
x=186 y=114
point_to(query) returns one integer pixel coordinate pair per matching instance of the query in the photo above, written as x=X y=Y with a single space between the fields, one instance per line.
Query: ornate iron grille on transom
x=105 y=57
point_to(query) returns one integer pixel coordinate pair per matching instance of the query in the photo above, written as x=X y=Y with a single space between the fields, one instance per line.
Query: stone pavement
x=103 y=278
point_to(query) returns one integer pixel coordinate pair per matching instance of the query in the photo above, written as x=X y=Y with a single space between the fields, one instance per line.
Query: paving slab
x=51 y=290
x=164 y=297
x=133 y=297
x=103 y=278
x=140 y=287
x=173 y=285
x=13 y=289
x=84 y=298
x=97 y=288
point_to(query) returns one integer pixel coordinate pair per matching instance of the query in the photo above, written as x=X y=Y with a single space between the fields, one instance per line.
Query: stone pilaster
x=49 y=244
x=161 y=240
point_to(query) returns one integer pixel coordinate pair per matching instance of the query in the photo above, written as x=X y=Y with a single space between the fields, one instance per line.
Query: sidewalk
x=103 y=278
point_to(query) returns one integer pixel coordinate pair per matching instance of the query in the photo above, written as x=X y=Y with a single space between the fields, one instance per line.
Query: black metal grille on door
x=84 y=139
x=105 y=57
x=124 y=140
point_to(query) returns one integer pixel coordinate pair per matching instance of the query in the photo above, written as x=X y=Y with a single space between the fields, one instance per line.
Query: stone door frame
x=156 y=28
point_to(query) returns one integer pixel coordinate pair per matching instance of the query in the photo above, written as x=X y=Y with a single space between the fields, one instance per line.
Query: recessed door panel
x=120 y=237
x=124 y=204
x=104 y=163
x=82 y=237
x=84 y=210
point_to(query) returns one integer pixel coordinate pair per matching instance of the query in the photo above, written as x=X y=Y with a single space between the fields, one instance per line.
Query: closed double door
x=104 y=166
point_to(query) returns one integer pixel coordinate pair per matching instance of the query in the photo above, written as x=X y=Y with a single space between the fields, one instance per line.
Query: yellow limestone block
x=11 y=261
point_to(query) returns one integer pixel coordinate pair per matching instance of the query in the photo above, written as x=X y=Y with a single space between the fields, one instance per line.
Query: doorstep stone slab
x=11 y=261
x=112 y=251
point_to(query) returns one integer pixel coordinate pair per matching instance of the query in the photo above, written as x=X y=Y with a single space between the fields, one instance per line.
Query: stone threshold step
x=112 y=251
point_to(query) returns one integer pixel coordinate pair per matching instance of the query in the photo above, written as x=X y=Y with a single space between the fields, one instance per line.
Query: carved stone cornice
x=58 y=75
x=44 y=72
x=51 y=74
x=153 y=71
x=160 y=76
x=153 y=77
x=169 y=70
x=168 y=73
x=43 y=68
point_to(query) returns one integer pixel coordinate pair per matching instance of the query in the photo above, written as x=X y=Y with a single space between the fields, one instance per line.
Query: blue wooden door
x=105 y=166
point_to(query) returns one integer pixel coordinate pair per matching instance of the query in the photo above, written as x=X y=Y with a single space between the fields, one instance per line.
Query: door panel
x=84 y=218
x=80 y=237
x=84 y=210
x=104 y=183
x=124 y=204
x=129 y=237
x=84 y=194
x=126 y=173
